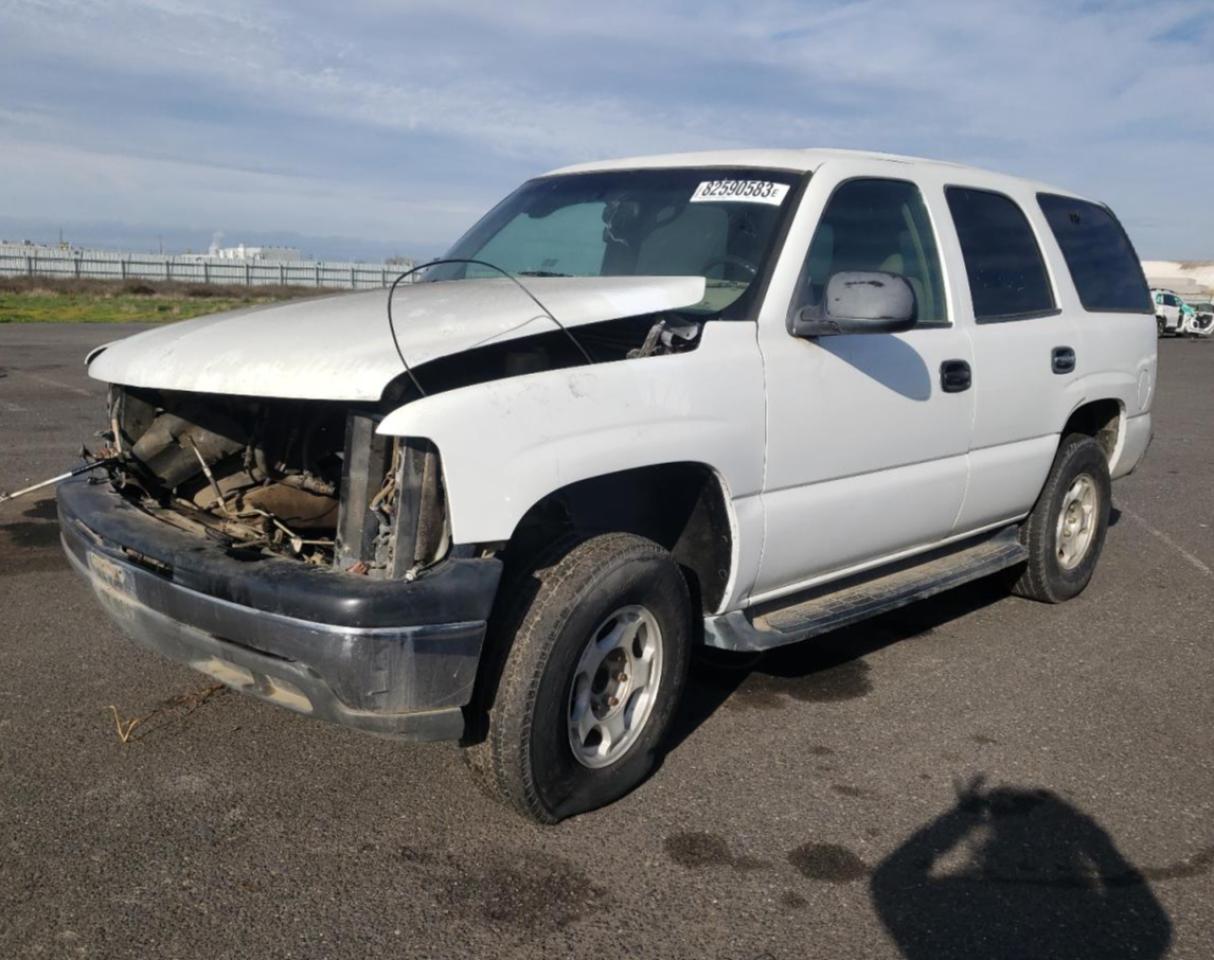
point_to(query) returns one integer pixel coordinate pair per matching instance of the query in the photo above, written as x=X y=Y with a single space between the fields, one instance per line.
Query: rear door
x=1025 y=351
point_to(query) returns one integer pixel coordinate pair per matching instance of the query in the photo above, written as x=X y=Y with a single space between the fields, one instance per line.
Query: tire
x=1159 y=324
x=1063 y=551
x=609 y=585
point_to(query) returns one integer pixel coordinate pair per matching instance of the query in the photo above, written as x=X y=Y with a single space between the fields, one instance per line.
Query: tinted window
x=1002 y=260
x=1099 y=255
x=877 y=225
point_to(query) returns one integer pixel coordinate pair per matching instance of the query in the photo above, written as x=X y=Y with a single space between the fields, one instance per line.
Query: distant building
x=242 y=252
x=31 y=248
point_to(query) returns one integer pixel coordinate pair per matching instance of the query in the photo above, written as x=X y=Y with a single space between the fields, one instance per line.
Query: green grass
x=81 y=308
x=38 y=300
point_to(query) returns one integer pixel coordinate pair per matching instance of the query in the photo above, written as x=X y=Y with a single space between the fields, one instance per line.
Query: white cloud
x=1073 y=91
x=44 y=178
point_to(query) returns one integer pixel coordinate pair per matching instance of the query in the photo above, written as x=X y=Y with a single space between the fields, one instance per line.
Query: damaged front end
x=287 y=550
x=308 y=480
x=290 y=550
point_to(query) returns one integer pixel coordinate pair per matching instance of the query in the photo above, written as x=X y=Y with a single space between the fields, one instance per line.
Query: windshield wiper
x=541 y=273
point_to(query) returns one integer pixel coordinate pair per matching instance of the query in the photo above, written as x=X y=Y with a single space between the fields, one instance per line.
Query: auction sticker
x=740 y=191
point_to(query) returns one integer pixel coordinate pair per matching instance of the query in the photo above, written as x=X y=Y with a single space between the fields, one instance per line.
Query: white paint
x=836 y=455
x=865 y=460
x=866 y=455
x=872 y=563
x=1005 y=479
x=507 y=444
x=340 y=348
x=807 y=160
x=1132 y=445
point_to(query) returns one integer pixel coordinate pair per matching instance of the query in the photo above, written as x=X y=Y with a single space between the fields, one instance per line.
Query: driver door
x=866 y=450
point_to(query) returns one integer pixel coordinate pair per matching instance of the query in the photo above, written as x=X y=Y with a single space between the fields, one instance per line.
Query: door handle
x=1062 y=360
x=955 y=376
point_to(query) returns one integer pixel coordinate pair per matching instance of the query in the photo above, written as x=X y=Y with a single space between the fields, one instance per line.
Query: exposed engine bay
x=312 y=480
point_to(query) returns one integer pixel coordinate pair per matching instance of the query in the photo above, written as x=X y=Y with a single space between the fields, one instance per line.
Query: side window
x=1002 y=260
x=1106 y=271
x=877 y=225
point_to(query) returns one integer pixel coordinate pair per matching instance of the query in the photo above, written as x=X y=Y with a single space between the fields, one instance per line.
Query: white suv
x=1169 y=312
x=735 y=399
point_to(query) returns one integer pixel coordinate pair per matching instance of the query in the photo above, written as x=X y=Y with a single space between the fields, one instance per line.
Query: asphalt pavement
x=974 y=776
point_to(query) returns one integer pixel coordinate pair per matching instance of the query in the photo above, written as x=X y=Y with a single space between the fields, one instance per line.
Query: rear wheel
x=1065 y=532
x=589 y=685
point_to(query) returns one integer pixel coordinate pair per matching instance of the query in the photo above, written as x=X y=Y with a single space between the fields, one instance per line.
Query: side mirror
x=859 y=302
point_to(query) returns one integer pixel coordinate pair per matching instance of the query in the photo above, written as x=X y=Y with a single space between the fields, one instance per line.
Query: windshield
x=703 y=222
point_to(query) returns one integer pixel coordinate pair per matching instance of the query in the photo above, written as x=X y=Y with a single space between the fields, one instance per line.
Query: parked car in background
x=736 y=399
x=1169 y=312
x=1195 y=322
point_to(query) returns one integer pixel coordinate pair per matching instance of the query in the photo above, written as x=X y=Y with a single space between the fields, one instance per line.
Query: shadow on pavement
x=1016 y=873
x=827 y=668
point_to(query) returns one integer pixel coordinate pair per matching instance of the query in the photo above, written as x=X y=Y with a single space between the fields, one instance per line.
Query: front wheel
x=591 y=680
x=1065 y=532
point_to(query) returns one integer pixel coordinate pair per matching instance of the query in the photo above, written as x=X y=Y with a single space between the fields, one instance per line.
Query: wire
x=480 y=263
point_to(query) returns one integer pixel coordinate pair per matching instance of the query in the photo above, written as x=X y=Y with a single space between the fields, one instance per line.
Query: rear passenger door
x=1025 y=352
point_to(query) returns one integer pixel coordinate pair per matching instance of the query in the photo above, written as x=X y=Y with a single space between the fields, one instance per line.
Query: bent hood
x=340 y=348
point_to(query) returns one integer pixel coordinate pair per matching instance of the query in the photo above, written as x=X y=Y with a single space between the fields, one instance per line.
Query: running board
x=845 y=602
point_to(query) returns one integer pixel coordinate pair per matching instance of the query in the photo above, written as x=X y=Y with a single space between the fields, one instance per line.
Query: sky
x=367 y=129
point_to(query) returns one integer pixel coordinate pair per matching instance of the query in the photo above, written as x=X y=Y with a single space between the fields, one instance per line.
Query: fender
x=506 y=444
x=1105 y=385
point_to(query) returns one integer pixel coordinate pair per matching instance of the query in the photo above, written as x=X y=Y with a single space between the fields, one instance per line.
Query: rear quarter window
x=1106 y=271
x=1007 y=275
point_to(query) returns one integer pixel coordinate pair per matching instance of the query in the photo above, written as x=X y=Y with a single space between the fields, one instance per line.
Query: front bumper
x=388 y=657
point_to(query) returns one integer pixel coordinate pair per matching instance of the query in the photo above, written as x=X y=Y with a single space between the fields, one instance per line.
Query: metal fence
x=252 y=273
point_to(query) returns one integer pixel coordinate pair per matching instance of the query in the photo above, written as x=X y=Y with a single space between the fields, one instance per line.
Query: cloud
x=387 y=119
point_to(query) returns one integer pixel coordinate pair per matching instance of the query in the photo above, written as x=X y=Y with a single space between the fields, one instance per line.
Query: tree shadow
x=826 y=668
x=1016 y=873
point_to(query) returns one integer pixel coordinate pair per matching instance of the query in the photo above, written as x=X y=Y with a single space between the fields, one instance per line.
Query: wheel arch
x=1101 y=419
x=683 y=506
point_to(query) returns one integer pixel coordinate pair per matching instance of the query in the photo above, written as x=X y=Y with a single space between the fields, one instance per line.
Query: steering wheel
x=728 y=260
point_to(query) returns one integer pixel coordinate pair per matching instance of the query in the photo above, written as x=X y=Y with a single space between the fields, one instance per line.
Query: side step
x=834 y=605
